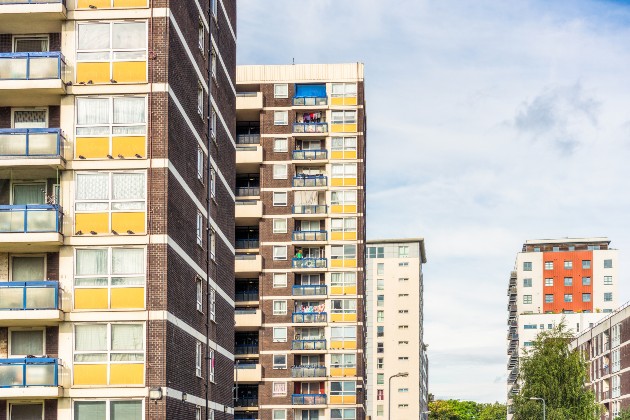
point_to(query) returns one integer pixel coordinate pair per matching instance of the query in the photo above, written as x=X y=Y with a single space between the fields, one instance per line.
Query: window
x=279 y=414
x=548 y=298
x=343 y=388
x=403 y=327
x=548 y=265
x=376 y=252
x=344 y=90
x=347 y=281
x=213 y=183
x=380 y=316
x=347 y=308
x=555 y=249
x=344 y=170
x=548 y=282
x=200 y=159
x=280 y=145
x=403 y=389
x=281 y=118
x=31 y=43
x=213 y=305
x=586 y=297
x=608 y=264
x=280 y=171
x=568 y=281
x=527 y=266
x=279 y=225
x=380 y=300
x=616 y=335
x=200 y=99
x=199 y=295
x=403 y=343
x=108 y=343
x=380 y=394
x=380 y=284
x=201 y=36
x=279 y=307
x=279 y=279
x=586 y=281
x=214 y=8
x=213 y=124
x=343 y=414
x=280 y=90
x=213 y=244
x=380 y=410
x=568 y=265
x=279 y=361
x=380 y=331
x=117 y=409
x=380 y=378
x=279 y=252
x=403 y=405
x=608 y=297
x=198 y=359
x=344 y=117
x=344 y=333
x=403 y=251
x=403 y=358
x=380 y=348
x=586 y=264
x=530 y=326
x=380 y=363
x=199 y=228
x=608 y=281
x=25 y=410
x=616 y=386
x=279 y=198
x=400 y=295
x=213 y=63
x=344 y=226
x=343 y=198
x=527 y=282
x=616 y=360
x=279 y=389
x=198 y=413
x=26 y=342
x=527 y=299
x=568 y=297
x=403 y=279
x=279 y=334
x=345 y=144
x=380 y=269
x=343 y=252
x=403 y=311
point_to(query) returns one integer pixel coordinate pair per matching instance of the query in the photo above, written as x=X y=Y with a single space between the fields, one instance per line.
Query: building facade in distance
x=395 y=303
x=117 y=150
x=570 y=279
x=300 y=242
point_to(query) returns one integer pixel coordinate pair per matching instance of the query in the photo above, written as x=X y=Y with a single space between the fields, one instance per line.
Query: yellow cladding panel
x=122 y=222
x=96 y=72
x=87 y=222
x=337 y=345
x=90 y=299
x=100 y=4
x=336 y=236
x=350 y=236
x=343 y=372
x=92 y=147
x=349 y=263
x=336 y=182
x=350 y=101
x=350 y=128
x=343 y=317
x=336 y=100
x=350 y=290
x=339 y=154
x=350 y=182
x=336 y=154
x=90 y=374
x=350 y=155
x=343 y=290
x=126 y=374
x=128 y=298
x=350 y=209
x=336 y=317
x=336 y=290
x=130 y=72
x=130 y=3
x=336 y=128
x=336 y=208
x=129 y=146
x=343 y=399
x=336 y=263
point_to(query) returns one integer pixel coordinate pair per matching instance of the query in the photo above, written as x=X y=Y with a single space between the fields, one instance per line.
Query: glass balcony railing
x=246 y=243
x=29 y=295
x=310 y=154
x=247 y=191
x=310 y=290
x=309 y=262
x=308 y=317
x=309 y=209
x=246 y=402
x=310 y=181
x=246 y=296
x=246 y=349
x=35 y=371
x=308 y=399
x=31 y=65
x=308 y=371
x=248 y=139
x=319 y=344
x=30 y=218
x=310 y=101
x=31 y=142
x=321 y=127
x=310 y=235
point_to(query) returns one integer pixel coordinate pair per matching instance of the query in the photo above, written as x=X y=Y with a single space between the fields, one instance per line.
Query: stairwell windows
x=200 y=159
x=380 y=284
x=213 y=305
x=279 y=334
x=213 y=63
x=279 y=252
x=380 y=269
x=280 y=145
x=279 y=307
x=380 y=300
x=380 y=348
x=280 y=171
x=616 y=360
x=213 y=124
x=616 y=386
x=279 y=225
x=214 y=8
x=213 y=183
x=281 y=118
x=201 y=35
x=279 y=198
x=527 y=266
x=212 y=363
x=380 y=363
x=213 y=244
x=380 y=316
x=380 y=379
x=200 y=99
x=279 y=389
x=281 y=90
x=380 y=331
x=199 y=234
x=198 y=359
x=199 y=286
x=280 y=280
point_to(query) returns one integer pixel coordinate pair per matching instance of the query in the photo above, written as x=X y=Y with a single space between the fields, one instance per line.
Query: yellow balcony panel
x=343 y=317
x=21 y=18
x=343 y=345
x=336 y=182
x=130 y=3
x=88 y=222
x=336 y=290
x=129 y=146
x=350 y=182
x=350 y=236
x=343 y=399
x=341 y=372
x=92 y=147
x=99 y=4
x=350 y=263
x=126 y=374
x=128 y=221
x=336 y=263
x=337 y=154
x=96 y=72
x=336 y=128
x=336 y=236
x=128 y=298
x=130 y=71
x=336 y=317
x=90 y=374
x=91 y=299
x=336 y=100
x=248 y=375
x=337 y=208
x=340 y=101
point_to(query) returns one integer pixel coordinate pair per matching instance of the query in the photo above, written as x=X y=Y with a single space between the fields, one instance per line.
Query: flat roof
x=567 y=241
x=423 y=253
x=299 y=73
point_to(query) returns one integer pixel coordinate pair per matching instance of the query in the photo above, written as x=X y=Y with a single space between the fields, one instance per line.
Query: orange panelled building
x=568 y=271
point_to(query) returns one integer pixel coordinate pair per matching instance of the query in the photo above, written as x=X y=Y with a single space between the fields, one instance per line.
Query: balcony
x=308 y=399
x=308 y=317
x=31 y=303
x=248 y=139
x=30 y=224
x=248 y=158
x=310 y=101
x=245 y=319
x=248 y=263
x=308 y=371
x=246 y=402
x=30 y=378
x=246 y=349
x=310 y=128
x=43 y=147
x=246 y=101
x=246 y=243
x=247 y=372
x=32 y=16
x=31 y=79
x=308 y=263
x=310 y=290
x=246 y=296
x=304 y=345
x=310 y=154
x=309 y=209
x=248 y=212
x=306 y=181
x=310 y=235
x=247 y=191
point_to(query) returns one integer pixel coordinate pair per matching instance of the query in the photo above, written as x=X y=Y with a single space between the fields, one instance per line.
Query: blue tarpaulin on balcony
x=310 y=91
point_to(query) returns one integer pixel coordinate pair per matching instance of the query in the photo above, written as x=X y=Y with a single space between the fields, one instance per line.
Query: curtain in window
x=305 y=198
x=128 y=261
x=27 y=269
x=92 y=186
x=26 y=411
x=128 y=186
x=92 y=111
x=93 y=36
x=127 y=337
x=126 y=410
x=29 y=193
x=129 y=110
x=25 y=343
x=37 y=44
x=91 y=262
x=89 y=410
x=29 y=119
x=129 y=35
x=90 y=338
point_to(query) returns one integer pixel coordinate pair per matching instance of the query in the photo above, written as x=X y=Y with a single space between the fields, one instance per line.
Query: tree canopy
x=465 y=410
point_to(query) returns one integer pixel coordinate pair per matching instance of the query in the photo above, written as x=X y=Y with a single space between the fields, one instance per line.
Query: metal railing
x=308 y=399
x=310 y=235
x=246 y=365
x=247 y=191
x=309 y=209
x=310 y=290
x=31 y=142
x=31 y=65
x=246 y=296
x=27 y=372
x=246 y=349
x=310 y=181
x=310 y=154
x=246 y=402
x=248 y=139
x=319 y=344
x=308 y=317
x=245 y=311
x=321 y=127
x=308 y=371
x=309 y=262
x=29 y=295
x=246 y=243
x=310 y=101
x=30 y=218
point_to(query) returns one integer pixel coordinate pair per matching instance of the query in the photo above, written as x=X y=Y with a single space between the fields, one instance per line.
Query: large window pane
x=127 y=261
x=25 y=343
x=92 y=186
x=90 y=337
x=127 y=337
x=27 y=269
x=26 y=411
x=89 y=410
x=126 y=410
x=128 y=186
x=129 y=110
x=91 y=111
x=129 y=35
x=91 y=262
x=93 y=36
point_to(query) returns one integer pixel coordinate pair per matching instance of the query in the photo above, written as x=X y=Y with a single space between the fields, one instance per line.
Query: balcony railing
x=309 y=209
x=247 y=296
x=246 y=349
x=319 y=344
x=31 y=142
x=246 y=365
x=247 y=243
x=248 y=139
x=309 y=262
x=310 y=154
x=29 y=295
x=310 y=290
x=310 y=101
x=308 y=317
x=250 y=311
x=308 y=399
x=22 y=373
x=246 y=402
x=310 y=127
x=308 y=371
x=247 y=191
x=310 y=235
x=310 y=181
x=30 y=218
x=31 y=65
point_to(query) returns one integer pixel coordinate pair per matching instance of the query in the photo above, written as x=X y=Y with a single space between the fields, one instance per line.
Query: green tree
x=465 y=410
x=550 y=370
x=496 y=411
x=624 y=415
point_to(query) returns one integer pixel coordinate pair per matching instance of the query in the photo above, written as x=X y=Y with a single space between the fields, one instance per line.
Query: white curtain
x=128 y=261
x=305 y=198
x=128 y=186
x=92 y=186
x=129 y=110
x=25 y=343
x=127 y=337
x=90 y=338
x=29 y=193
x=27 y=269
x=129 y=35
x=93 y=36
x=92 y=111
x=91 y=262
x=90 y=410
x=126 y=410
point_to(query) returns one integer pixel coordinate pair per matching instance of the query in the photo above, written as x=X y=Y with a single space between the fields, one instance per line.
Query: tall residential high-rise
x=300 y=242
x=395 y=342
x=117 y=151
x=570 y=279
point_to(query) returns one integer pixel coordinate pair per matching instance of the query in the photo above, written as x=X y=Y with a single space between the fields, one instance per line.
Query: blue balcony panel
x=30 y=303
x=310 y=290
x=31 y=144
x=31 y=79
x=310 y=128
x=310 y=235
x=33 y=377
x=305 y=181
x=310 y=154
x=308 y=399
x=309 y=263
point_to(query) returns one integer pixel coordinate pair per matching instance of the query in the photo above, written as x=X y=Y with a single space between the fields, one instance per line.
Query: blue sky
x=489 y=123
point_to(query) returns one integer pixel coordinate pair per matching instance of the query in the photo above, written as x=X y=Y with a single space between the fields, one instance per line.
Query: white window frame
x=276 y=198
x=198 y=359
x=38 y=37
x=343 y=255
x=213 y=183
x=214 y=8
x=344 y=170
x=202 y=36
x=346 y=116
x=280 y=171
x=279 y=225
x=277 y=252
x=200 y=160
x=108 y=404
x=213 y=63
x=343 y=279
x=213 y=305
x=278 y=388
x=10 y=332
x=280 y=280
x=199 y=286
x=344 y=144
x=279 y=365
x=212 y=362
x=281 y=307
x=548 y=265
x=34 y=109
x=213 y=244
x=199 y=229
x=277 y=411
x=343 y=225
x=281 y=118
x=12 y=403
x=343 y=90
x=108 y=352
x=200 y=99
x=281 y=90
x=213 y=124
x=278 y=338
x=281 y=144
x=343 y=197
